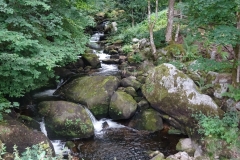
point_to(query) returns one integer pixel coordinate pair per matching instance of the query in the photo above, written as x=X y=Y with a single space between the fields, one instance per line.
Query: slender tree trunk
x=133 y=22
x=170 y=20
x=151 y=24
x=178 y=26
x=236 y=65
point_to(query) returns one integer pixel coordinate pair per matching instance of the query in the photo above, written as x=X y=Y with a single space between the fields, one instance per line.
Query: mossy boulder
x=131 y=82
x=29 y=122
x=148 y=120
x=172 y=92
x=122 y=106
x=13 y=133
x=92 y=60
x=93 y=91
x=66 y=120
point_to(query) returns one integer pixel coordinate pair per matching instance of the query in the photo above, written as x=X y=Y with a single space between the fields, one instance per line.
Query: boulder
x=186 y=145
x=131 y=91
x=220 y=82
x=122 y=106
x=92 y=60
x=180 y=156
x=93 y=91
x=172 y=92
x=16 y=133
x=66 y=120
x=148 y=120
x=131 y=82
x=157 y=156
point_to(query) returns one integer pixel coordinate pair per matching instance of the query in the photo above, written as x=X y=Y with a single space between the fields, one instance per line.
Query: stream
x=116 y=141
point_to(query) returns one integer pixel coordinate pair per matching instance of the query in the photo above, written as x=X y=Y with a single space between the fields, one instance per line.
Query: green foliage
x=140 y=30
x=35 y=37
x=6 y=106
x=204 y=64
x=217 y=18
x=2 y=149
x=225 y=129
x=39 y=151
x=159 y=38
x=202 y=86
x=219 y=134
x=190 y=49
x=233 y=93
x=137 y=58
x=127 y=48
x=176 y=50
x=178 y=64
x=185 y=52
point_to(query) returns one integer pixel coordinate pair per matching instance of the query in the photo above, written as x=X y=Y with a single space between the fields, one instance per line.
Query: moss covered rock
x=92 y=60
x=171 y=91
x=131 y=82
x=149 y=120
x=122 y=106
x=93 y=91
x=66 y=120
x=13 y=133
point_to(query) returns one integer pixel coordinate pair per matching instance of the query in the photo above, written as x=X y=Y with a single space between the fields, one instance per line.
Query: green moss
x=45 y=108
x=99 y=110
x=191 y=95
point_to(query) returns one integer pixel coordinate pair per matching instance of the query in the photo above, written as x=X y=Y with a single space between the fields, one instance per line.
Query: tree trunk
x=133 y=22
x=236 y=66
x=151 y=24
x=178 y=26
x=170 y=20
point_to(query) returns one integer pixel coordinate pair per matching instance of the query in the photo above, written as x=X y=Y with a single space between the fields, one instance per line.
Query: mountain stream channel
x=117 y=141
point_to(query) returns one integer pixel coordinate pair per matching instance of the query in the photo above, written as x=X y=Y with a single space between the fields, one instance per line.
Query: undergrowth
x=219 y=133
x=41 y=151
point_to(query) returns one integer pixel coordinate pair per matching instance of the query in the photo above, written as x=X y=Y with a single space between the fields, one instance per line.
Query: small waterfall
x=96 y=37
x=42 y=127
x=58 y=145
x=48 y=92
x=98 y=124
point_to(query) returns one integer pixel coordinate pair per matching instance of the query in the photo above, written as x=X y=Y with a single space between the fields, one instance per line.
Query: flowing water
x=114 y=140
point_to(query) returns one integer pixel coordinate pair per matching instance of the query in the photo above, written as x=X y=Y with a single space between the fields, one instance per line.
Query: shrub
x=39 y=151
x=137 y=58
x=6 y=106
x=204 y=64
x=217 y=129
x=233 y=93
x=127 y=48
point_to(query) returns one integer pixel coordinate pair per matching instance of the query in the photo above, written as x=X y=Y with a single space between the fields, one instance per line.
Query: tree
x=220 y=21
x=151 y=24
x=35 y=37
x=170 y=20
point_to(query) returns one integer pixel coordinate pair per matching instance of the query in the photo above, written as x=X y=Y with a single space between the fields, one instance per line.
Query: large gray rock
x=172 y=92
x=16 y=133
x=148 y=120
x=66 y=120
x=93 y=91
x=122 y=106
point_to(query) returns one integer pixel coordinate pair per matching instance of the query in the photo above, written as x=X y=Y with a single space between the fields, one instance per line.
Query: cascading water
x=106 y=69
x=99 y=126
x=112 y=140
x=58 y=145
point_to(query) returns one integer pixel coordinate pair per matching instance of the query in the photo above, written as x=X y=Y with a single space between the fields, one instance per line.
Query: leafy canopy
x=35 y=37
x=217 y=18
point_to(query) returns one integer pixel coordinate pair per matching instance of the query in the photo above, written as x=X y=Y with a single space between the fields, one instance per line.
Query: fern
x=233 y=93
